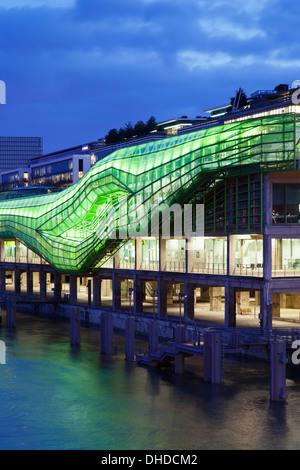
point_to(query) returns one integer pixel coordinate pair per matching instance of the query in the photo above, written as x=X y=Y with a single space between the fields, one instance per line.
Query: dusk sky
x=74 y=69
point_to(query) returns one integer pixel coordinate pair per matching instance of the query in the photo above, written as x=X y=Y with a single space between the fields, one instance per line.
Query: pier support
x=106 y=333
x=278 y=362
x=213 y=357
x=153 y=336
x=11 y=311
x=129 y=338
x=179 y=356
x=75 y=326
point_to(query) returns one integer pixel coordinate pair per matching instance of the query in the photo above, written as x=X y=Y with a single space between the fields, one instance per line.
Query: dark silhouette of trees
x=239 y=100
x=129 y=131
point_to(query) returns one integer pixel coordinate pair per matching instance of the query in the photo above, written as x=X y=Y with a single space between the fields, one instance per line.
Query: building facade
x=92 y=242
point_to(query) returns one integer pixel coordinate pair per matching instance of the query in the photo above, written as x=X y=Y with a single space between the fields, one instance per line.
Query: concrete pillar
x=189 y=255
x=96 y=292
x=212 y=361
x=266 y=309
x=267 y=257
x=43 y=285
x=11 y=311
x=215 y=294
x=75 y=326
x=73 y=289
x=278 y=362
x=116 y=290
x=153 y=336
x=17 y=251
x=17 y=276
x=230 y=254
x=189 y=301
x=162 y=298
x=2 y=280
x=242 y=301
x=276 y=305
x=138 y=254
x=129 y=338
x=138 y=295
x=106 y=333
x=89 y=289
x=29 y=282
x=116 y=260
x=230 y=306
x=2 y=248
x=162 y=254
x=57 y=286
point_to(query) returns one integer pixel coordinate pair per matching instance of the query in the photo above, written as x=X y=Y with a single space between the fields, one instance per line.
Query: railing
x=210 y=268
x=150 y=265
x=286 y=271
x=175 y=266
x=248 y=270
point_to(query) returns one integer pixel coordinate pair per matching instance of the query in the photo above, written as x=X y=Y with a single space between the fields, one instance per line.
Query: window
x=286 y=203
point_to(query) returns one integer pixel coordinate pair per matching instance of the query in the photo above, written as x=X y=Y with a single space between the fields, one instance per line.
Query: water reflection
x=57 y=397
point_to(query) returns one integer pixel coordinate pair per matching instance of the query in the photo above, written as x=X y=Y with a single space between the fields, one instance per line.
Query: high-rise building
x=15 y=152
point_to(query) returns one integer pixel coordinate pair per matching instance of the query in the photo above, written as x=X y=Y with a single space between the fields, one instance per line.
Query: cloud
x=253 y=8
x=207 y=61
x=194 y=60
x=11 y=4
x=220 y=27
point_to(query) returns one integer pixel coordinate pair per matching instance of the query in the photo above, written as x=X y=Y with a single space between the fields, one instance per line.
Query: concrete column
x=29 y=281
x=73 y=289
x=116 y=260
x=96 y=292
x=2 y=248
x=138 y=254
x=57 y=286
x=153 y=336
x=162 y=254
x=189 y=301
x=267 y=257
x=2 y=280
x=162 y=298
x=11 y=311
x=89 y=289
x=17 y=275
x=266 y=308
x=106 y=333
x=212 y=361
x=138 y=295
x=17 y=251
x=116 y=291
x=242 y=301
x=43 y=285
x=129 y=338
x=230 y=306
x=230 y=254
x=189 y=255
x=215 y=294
x=276 y=305
x=75 y=326
x=278 y=361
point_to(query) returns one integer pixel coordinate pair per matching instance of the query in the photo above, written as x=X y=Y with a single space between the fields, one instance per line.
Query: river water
x=53 y=396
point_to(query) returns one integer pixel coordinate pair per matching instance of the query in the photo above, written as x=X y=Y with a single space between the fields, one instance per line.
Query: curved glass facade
x=74 y=229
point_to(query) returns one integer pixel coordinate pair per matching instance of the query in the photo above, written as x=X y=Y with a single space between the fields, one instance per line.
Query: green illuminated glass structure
x=73 y=229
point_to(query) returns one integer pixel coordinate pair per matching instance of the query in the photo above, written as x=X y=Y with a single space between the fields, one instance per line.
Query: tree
x=112 y=137
x=151 y=125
